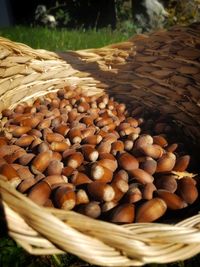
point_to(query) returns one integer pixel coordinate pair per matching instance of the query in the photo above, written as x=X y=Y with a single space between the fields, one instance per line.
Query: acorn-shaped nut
x=108 y=163
x=80 y=178
x=117 y=146
x=10 y=173
x=133 y=194
x=101 y=191
x=160 y=140
x=89 y=152
x=74 y=160
x=143 y=140
x=24 y=141
x=55 y=179
x=26 y=184
x=128 y=162
x=55 y=167
x=64 y=198
x=187 y=190
x=74 y=135
x=149 y=165
x=166 y=162
x=124 y=213
x=182 y=163
x=166 y=182
x=91 y=209
x=41 y=162
x=172 y=200
x=154 y=151
x=148 y=190
x=81 y=197
x=20 y=130
x=40 y=192
x=141 y=176
x=101 y=173
x=151 y=210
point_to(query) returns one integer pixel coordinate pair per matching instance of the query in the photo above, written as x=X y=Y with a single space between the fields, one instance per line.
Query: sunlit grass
x=62 y=39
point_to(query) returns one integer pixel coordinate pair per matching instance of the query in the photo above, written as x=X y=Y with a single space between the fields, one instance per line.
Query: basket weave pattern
x=161 y=70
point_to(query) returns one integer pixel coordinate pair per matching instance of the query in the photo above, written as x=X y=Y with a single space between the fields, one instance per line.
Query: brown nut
x=8 y=150
x=101 y=173
x=149 y=165
x=59 y=146
x=148 y=190
x=80 y=178
x=128 y=145
x=106 y=206
x=55 y=167
x=40 y=192
x=108 y=163
x=64 y=198
x=89 y=152
x=74 y=160
x=3 y=141
x=44 y=124
x=154 y=151
x=172 y=200
x=67 y=171
x=143 y=140
x=187 y=190
x=91 y=209
x=74 y=135
x=182 y=163
x=120 y=185
x=32 y=121
x=124 y=213
x=15 y=155
x=41 y=162
x=24 y=140
x=166 y=162
x=54 y=137
x=24 y=173
x=55 y=179
x=26 y=184
x=133 y=194
x=166 y=182
x=25 y=159
x=10 y=173
x=151 y=210
x=81 y=197
x=141 y=176
x=160 y=140
x=127 y=161
x=171 y=148
x=104 y=147
x=20 y=130
x=62 y=129
x=117 y=146
x=101 y=191
x=92 y=139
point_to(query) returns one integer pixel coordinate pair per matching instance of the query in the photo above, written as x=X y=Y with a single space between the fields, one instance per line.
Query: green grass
x=61 y=40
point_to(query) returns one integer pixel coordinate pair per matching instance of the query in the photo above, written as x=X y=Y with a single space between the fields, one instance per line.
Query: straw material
x=162 y=71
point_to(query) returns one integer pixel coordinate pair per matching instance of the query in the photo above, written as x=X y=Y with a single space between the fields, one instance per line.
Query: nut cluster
x=90 y=154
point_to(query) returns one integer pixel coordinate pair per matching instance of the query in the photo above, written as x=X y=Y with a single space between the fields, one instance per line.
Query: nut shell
x=151 y=210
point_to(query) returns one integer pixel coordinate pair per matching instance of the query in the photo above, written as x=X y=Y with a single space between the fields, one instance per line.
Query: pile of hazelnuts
x=90 y=154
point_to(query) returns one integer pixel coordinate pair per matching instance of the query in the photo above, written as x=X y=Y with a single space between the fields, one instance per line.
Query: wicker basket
x=162 y=71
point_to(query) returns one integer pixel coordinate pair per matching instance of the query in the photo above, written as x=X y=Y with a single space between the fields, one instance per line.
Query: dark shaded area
x=3 y=223
x=87 y=14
